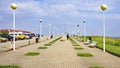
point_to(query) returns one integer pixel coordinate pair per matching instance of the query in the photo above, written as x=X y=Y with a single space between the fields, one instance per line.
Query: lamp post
x=49 y=29
x=84 y=21
x=78 y=31
x=13 y=6
x=54 y=31
x=40 y=30
x=103 y=8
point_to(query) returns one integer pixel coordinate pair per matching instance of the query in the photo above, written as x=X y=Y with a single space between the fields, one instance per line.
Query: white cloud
x=63 y=9
x=73 y=8
x=30 y=8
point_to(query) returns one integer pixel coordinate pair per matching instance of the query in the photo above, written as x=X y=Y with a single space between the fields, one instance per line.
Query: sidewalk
x=59 y=55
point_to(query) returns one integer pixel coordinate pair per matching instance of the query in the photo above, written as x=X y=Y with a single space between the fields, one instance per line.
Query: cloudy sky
x=65 y=15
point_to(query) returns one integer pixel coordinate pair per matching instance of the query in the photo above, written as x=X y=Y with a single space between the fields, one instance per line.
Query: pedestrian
x=11 y=43
x=67 y=36
x=90 y=38
x=51 y=36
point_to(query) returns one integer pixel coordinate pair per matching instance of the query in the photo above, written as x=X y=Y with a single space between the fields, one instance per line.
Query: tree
x=4 y=32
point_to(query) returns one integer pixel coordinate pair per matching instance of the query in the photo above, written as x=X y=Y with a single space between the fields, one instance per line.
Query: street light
x=13 y=6
x=49 y=29
x=103 y=8
x=84 y=21
x=54 y=31
x=40 y=29
x=78 y=31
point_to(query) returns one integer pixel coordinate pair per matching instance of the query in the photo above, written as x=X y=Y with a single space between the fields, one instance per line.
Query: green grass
x=62 y=40
x=112 y=45
x=75 y=44
x=42 y=48
x=78 y=48
x=52 y=42
x=32 y=54
x=49 y=44
x=9 y=66
x=55 y=40
x=96 y=67
x=84 y=55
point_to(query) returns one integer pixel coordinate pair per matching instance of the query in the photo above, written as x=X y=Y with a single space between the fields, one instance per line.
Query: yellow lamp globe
x=13 y=6
x=103 y=7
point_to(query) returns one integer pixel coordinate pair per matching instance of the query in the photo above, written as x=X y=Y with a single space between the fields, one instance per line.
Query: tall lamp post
x=103 y=8
x=54 y=31
x=40 y=30
x=78 y=31
x=49 y=29
x=84 y=21
x=13 y=6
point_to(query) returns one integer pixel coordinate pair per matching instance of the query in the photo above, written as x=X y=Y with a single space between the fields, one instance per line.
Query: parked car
x=28 y=36
x=32 y=34
x=12 y=36
x=3 y=39
x=6 y=36
x=19 y=36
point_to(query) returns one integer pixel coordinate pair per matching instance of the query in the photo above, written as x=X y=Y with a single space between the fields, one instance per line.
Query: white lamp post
x=84 y=21
x=78 y=31
x=54 y=31
x=13 y=6
x=40 y=30
x=103 y=8
x=49 y=29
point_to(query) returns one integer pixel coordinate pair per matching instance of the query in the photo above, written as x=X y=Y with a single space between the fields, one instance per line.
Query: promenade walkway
x=59 y=55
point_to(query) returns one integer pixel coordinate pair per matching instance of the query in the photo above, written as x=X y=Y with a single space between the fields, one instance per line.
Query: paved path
x=59 y=55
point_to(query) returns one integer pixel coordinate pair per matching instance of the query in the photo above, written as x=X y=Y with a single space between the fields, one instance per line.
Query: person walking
x=11 y=44
x=67 y=36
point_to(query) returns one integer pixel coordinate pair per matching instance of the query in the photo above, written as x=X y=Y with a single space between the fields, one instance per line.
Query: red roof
x=11 y=30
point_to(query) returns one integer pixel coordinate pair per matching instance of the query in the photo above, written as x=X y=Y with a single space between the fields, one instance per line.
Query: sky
x=64 y=15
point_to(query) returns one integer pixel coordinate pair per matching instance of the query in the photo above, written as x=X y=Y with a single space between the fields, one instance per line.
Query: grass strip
x=42 y=48
x=32 y=54
x=96 y=67
x=9 y=66
x=75 y=44
x=84 y=55
x=49 y=44
x=78 y=48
